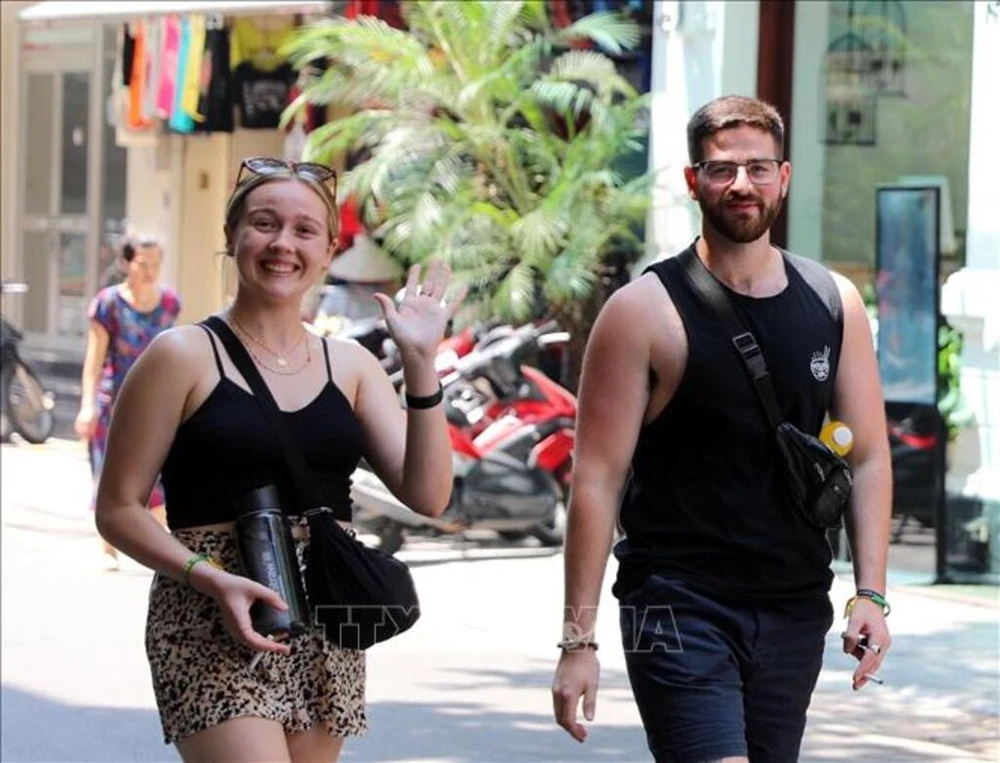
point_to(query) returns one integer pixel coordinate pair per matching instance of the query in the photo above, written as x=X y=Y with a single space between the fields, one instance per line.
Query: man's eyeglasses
x=268 y=165
x=759 y=171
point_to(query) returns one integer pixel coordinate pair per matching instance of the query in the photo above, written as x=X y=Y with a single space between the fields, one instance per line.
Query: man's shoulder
x=828 y=285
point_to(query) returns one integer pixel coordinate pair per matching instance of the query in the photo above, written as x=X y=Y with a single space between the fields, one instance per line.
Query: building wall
x=185 y=200
x=9 y=135
x=701 y=50
x=805 y=200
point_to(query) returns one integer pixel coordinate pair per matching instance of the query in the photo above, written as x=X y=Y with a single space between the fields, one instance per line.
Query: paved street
x=469 y=683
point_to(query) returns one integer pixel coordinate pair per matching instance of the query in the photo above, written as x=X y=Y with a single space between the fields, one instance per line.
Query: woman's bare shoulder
x=182 y=349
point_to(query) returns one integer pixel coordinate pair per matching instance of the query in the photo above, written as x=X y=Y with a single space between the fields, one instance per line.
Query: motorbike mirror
x=556 y=337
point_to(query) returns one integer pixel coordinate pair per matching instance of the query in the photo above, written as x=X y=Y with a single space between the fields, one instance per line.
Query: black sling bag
x=360 y=595
x=818 y=481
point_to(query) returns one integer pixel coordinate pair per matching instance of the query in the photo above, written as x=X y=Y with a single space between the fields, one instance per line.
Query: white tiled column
x=970 y=296
x=701 y=50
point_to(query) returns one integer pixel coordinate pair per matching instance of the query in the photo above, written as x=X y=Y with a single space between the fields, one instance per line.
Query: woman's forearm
x=427 y=474
x=97 y=346
x=133 y=531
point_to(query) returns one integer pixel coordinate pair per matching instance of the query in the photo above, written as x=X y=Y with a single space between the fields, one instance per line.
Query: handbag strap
x=303 y=481
x=705 y=286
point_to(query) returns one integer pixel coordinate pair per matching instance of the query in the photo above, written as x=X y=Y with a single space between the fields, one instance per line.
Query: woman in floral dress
x=124 y=319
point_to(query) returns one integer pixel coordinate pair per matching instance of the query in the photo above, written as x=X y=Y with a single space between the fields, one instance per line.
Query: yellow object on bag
x=838 y=437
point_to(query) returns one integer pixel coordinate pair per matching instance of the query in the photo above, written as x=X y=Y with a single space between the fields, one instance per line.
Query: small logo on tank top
x=820 y=364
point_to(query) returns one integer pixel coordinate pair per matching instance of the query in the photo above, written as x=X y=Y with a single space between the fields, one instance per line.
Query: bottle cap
x=838 y=437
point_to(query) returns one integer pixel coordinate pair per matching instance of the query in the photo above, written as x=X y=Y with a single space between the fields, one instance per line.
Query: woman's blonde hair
x=238 y=199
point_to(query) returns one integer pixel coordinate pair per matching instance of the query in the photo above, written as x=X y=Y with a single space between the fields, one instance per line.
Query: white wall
x=736 y=46
x=151 y=197
x=701 y=50
x=10 y=89
x=805 y=202
x=969 y=297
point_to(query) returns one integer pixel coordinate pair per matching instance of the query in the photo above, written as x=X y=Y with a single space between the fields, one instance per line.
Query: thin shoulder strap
x=326 y=356
x=708 y=289
x=215 y=351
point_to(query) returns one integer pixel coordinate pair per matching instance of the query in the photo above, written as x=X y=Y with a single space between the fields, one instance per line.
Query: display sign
x=907 y=260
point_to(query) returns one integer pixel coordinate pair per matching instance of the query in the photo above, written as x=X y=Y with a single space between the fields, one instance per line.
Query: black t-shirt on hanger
x=215 y=101
x=261 y=96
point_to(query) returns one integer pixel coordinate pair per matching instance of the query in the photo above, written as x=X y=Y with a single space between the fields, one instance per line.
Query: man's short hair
x=733 y=111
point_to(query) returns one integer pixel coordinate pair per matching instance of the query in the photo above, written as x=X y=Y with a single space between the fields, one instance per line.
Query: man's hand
x=576 y=676
x=867 y=638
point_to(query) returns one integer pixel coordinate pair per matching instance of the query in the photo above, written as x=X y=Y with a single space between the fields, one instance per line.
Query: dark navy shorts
x=715 y=680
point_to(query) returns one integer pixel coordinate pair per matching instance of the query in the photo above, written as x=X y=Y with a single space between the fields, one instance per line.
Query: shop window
x=895 y=108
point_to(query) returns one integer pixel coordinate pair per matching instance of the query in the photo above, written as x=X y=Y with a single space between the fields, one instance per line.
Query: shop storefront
x=106 y=141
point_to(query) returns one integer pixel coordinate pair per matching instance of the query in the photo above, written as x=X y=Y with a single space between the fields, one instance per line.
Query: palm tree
x=492 y=141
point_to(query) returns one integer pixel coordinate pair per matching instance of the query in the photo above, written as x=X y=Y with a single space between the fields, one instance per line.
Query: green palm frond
x=494 y=145
x=608 y=30
x=515 y=296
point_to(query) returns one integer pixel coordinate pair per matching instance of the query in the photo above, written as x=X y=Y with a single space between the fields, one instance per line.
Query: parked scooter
x=512 y=432
x=26 y=405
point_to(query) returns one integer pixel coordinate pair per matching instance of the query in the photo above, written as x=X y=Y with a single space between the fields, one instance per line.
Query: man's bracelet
x=576 y=645
x=426 y=401
x=867 y=593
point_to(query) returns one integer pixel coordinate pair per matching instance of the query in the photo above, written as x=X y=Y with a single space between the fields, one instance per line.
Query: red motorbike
x=512 y=431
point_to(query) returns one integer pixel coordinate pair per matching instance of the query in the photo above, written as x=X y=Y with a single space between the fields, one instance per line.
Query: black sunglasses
x=269 y=165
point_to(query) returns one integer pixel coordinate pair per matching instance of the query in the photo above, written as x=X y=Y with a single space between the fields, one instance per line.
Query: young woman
x=124 y=319
x=186 y=411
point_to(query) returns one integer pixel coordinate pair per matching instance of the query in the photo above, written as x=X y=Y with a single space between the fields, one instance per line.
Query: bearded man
x=723 y=585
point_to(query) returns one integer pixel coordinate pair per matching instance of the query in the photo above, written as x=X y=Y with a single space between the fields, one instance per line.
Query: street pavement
x=469 y=683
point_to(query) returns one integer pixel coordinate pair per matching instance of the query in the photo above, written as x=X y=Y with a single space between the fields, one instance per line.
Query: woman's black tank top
x=227 y=448
x=704 y=502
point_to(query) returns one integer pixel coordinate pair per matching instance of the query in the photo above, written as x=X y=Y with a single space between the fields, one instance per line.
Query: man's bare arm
x=613 y=398
x=858 y=402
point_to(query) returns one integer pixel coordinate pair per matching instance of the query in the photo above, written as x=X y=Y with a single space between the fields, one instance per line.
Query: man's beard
x=738 y=227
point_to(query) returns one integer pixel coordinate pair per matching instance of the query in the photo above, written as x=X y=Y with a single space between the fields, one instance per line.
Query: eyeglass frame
x=746 y=167
x=292 y=168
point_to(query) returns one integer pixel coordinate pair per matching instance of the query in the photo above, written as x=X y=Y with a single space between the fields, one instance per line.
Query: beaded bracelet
x=195 y=558
x=867 y=593
x=572 y=645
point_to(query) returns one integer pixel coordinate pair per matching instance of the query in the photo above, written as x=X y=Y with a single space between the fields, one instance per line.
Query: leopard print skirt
x=201 y=674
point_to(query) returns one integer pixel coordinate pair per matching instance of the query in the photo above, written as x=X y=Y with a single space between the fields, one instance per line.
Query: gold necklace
x=279 y=371
x=281 y=356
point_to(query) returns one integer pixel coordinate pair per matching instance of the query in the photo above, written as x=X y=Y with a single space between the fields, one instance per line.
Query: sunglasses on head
x=268 y=165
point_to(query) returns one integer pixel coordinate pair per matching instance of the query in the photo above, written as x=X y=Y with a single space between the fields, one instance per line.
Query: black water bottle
x=267 y=550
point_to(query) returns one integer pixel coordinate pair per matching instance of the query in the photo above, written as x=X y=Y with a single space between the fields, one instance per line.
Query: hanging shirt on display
x=262 y=80
x=168 y=67
x=262 y=96
x=139 y=81
x=192 y=72
x=154 y=55
x=215 y=100
x=128 y=51
x=179 y=120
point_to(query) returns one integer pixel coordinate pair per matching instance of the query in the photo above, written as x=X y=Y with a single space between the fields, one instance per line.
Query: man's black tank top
x=227 y=448
x=703 y=501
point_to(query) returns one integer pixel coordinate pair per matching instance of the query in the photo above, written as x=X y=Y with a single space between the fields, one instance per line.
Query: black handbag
x=818 y=481
x=360 y=595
